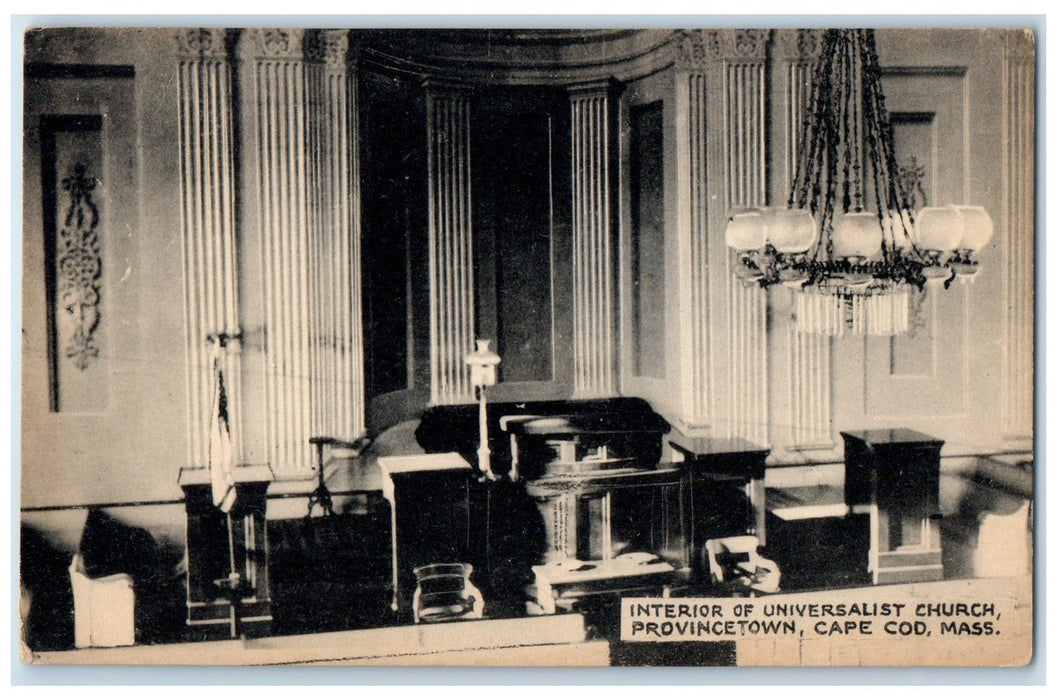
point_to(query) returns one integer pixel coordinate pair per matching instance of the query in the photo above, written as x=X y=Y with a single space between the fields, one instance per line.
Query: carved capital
x=800 y=44
x=447 y=89
x=607 y=88
x=696 y=48
x=278 y=42
x=205 y=43
x=1020 y=45
x=329 y=47
x=750 y=44
x=335 y=48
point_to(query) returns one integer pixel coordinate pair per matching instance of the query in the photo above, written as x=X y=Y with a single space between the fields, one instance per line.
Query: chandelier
x=850 y=241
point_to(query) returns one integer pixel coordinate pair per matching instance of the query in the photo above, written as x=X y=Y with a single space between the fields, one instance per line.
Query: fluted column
x=594 y=301
x=309 y=225
x=810 y=354
x=451 y=298
x=335 y=297
x=692 y=153
x=733 y=63
x=743 y=66
x=1019 y=166
x=207 y=198
x=283 y=207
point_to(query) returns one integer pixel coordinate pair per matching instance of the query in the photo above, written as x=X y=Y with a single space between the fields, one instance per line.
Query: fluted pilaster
x=1019 y=165
x=692 y=154
x=309 y=219
x=335 y=297
x=594 y=313
x=451 y=304
x=810 y=354
x=743 y=66
x=207 y=198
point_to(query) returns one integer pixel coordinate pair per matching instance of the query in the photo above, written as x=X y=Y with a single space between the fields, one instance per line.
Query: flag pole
x=220 y=458
x=234 y=580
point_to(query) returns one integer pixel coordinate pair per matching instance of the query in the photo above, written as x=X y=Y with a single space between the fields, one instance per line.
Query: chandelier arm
x=833 y=137
x=825 y=181
x=883 y=177
x=810 y=144
x=855 y=121
x=843 y=75
x=896 y=199
x=801 y=194
x=884 y=125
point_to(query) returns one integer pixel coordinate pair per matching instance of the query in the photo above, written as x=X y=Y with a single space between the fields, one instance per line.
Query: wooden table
x=710 y=462
x=429 y=498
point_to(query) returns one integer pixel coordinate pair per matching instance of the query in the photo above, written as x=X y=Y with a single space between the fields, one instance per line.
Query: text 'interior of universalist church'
x=432 y=346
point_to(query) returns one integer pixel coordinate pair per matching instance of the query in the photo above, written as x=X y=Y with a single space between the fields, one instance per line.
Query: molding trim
x=520 y=57
x=77 y=71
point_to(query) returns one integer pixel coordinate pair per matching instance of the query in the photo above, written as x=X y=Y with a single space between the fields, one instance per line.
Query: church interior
x=379 y=346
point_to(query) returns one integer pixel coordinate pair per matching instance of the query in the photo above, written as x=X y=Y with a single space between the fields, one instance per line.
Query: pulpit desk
x=894 y=475
x=611 y=516
x=217 y=542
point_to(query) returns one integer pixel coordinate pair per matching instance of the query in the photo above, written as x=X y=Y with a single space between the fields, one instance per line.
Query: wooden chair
x=735 y=564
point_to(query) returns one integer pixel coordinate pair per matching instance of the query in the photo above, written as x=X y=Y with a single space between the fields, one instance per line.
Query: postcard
x=528 y=346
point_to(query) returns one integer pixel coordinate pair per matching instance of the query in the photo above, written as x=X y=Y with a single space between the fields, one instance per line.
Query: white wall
x=131 y=446
x=951 y=378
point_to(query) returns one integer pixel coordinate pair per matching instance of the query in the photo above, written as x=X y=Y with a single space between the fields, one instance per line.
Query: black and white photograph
x=527 y=347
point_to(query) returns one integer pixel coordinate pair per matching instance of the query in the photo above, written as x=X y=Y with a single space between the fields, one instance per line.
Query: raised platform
x=537 y=641
x=561 y=640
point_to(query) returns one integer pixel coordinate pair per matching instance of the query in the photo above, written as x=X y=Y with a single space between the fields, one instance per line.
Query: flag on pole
x=221 y=456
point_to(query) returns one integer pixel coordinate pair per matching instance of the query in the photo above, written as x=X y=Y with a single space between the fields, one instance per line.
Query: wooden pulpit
x=220 y=544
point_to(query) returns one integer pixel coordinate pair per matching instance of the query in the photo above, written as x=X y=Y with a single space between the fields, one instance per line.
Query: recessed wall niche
x=395 y=259
x=74 y=224
x=519 y=157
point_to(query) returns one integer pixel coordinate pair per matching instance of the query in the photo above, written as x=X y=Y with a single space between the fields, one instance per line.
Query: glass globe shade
x=746 y=231
x=979 y=229
x=791 y=231
x=857 y=235
x=938 y=228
